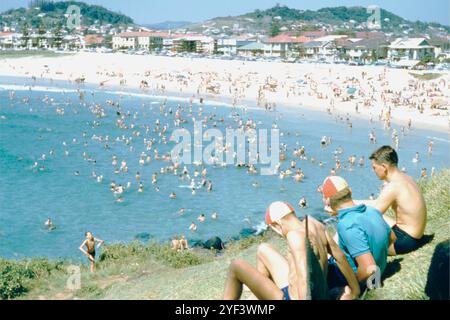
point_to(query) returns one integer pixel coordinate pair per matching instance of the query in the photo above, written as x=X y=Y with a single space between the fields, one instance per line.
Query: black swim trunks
x=337 y=282
x=405 y=243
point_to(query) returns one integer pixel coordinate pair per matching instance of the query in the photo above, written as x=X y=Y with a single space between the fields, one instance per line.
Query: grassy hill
x=344 y=18
x=53 y=13
x=153 y=271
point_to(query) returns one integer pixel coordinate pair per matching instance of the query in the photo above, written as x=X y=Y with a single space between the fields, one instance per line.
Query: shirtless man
x=278 y=278
x=402 y=194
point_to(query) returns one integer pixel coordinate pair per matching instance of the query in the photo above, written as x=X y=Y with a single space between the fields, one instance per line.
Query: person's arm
x=366 y=266
x=386 y=199
x=297 y=245
x=82 y=249
x=100 y=242
x=357 y=244
x=343 y=265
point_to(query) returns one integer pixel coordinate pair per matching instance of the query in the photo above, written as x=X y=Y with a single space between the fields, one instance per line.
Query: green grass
x=154 y=271
x=426 y=76
x=33 y=53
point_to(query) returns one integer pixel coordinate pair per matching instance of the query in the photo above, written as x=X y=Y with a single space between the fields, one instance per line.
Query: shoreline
x=166 y=83
x=224 y=101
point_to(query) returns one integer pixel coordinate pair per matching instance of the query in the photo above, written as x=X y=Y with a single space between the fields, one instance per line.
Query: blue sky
x=152 y=11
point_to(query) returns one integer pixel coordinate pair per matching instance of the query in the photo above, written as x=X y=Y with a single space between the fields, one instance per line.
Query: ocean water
x=31 y=127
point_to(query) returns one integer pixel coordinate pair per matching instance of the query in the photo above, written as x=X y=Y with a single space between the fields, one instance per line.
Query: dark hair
x=385 y=154
x=340 y=197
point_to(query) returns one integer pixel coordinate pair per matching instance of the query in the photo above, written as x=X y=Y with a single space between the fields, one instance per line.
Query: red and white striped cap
x=277 y=210
x=332 y=185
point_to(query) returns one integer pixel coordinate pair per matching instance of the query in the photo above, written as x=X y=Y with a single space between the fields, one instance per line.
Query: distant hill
x=53 y=12
x=167 y=25
x=341 y=18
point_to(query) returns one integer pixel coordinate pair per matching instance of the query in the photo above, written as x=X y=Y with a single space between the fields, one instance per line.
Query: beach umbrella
x=351 y=90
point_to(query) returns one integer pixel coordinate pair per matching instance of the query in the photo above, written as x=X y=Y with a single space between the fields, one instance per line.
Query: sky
x=153 y=11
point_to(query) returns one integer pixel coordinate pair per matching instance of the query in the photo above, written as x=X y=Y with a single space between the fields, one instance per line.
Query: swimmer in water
x=302 y=203
x=214 y=215
x=173 y=195
x=201 y=218
x=49 y=224
x=90 y=244
x=193 y=227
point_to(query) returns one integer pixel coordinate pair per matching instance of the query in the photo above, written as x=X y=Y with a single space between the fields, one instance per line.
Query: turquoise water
x=76 y=204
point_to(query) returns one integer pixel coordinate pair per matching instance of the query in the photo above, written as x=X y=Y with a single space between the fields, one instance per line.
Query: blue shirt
x=361 y=230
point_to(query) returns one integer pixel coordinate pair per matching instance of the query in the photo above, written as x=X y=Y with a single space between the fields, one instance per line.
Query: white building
x=320 y=50
x=195 y=43
x=229 y=46
x=140 y=40
x=10 y=40
x=410 y=49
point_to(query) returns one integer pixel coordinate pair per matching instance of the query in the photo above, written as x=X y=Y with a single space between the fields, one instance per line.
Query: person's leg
x=392 y=239
x=391 y=222
x=241 y=272
x=92 y=266
x=271 y=264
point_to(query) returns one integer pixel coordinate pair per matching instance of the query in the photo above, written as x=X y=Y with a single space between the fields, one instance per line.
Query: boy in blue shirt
x=363 y=234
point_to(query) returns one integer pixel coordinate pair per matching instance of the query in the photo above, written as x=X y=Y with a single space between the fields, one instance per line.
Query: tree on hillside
x=25 y=35
x=301 y=51
x=57 y=36
x=41 y=34
x=274 y=28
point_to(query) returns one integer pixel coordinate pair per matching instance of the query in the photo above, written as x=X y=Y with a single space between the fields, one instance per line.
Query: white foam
x=260 y=227
x=439 y=139
x=15 y=87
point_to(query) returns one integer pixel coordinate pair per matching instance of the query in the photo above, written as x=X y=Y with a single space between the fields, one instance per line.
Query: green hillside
x=52 y=13
x=342 y=18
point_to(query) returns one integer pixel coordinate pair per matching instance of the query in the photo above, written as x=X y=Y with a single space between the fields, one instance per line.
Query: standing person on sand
x=89 y=243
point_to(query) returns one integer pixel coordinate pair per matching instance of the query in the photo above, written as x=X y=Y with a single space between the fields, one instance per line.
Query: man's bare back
x=319 y=243
x=404 y=197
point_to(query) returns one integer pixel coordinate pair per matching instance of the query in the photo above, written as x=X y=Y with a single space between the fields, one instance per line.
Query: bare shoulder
x=391 y=187
x=316 y=223
x=295 y=237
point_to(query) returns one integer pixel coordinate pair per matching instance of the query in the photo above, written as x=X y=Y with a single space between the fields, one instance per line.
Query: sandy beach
x=361 y=91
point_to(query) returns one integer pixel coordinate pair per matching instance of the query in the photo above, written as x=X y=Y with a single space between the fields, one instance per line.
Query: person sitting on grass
x=89 y=243
x=402 y=194
x=183 y=243
x=176 y=246
x=300 y=276
x=363 y=234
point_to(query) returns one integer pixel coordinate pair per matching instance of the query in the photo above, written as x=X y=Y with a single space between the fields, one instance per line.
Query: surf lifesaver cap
x=332 y=185
x=277 y=210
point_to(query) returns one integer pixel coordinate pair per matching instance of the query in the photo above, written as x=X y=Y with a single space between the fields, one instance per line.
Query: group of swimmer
x=154 y=137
